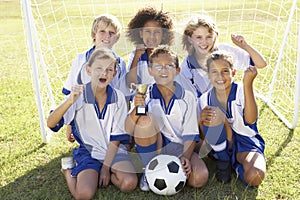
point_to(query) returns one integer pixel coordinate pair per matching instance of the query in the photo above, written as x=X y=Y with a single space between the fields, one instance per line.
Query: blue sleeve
x=251 y=62
x=58 y=125
x=124 y=138
x=65 y=91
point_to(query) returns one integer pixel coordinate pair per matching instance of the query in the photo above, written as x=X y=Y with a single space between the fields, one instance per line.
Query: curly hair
x=145 y=15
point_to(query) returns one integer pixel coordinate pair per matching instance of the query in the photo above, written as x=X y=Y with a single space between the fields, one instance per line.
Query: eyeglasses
x=168 y=67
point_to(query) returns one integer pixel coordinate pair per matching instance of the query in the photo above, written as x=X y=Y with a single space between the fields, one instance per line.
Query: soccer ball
x=165 y=175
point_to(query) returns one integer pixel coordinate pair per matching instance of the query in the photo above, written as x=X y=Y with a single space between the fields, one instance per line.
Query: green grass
x=30 y=169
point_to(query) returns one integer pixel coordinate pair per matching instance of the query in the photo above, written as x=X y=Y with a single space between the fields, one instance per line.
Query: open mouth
x=102 y=80
x=105 y=41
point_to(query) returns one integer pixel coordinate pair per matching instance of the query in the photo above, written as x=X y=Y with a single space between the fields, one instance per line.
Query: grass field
x=30 y=169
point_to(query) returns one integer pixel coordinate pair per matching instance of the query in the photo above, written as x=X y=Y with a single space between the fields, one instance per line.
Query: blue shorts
x=245 y=144
x=146 y=153
x=84 y=161
x=171 y=148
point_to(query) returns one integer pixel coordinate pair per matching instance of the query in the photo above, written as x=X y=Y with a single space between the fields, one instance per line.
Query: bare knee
x=202 y=178
x=144 y=121
x=129 y=183
x=145 y=132
x=84 y=194
x=254 y=177
x=199 y=179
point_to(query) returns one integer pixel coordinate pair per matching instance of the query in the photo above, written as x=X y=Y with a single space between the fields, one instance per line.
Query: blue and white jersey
x=143 y=75
x=94 y=129
x=198 y=76
x=78 y=73
x=234 y=112
x=178 y=120
x=146 y=78
x=241 y=58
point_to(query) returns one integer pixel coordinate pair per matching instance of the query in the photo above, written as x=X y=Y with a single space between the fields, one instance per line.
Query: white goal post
x=57 y=30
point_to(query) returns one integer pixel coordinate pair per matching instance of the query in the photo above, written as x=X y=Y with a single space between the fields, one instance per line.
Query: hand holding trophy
x=141 y=89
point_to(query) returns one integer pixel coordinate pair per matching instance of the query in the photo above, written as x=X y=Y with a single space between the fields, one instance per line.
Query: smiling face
x=220 y=74
x=106 y=35
x=202 y=40
x=164 y=69
x=151 y=34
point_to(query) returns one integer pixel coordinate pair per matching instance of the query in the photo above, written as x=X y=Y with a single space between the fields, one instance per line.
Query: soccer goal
x=57 y=30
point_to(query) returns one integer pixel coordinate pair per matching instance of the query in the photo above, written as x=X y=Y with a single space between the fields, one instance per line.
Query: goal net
x=57 y=30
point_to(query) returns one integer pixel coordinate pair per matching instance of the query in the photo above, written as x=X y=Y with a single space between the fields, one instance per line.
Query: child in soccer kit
x=105 y=32
x=229 y=122
x=170 y=125
x=146 y=30
x=200 y=39
x=97 y=112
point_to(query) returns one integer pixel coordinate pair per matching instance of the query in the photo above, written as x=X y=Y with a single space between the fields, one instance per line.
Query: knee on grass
x=254 y=177
x=199 y=179
x=129 y=183
x=87 y=193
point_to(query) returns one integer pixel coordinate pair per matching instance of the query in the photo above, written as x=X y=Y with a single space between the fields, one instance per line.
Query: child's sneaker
x=144 y=186
x=67 y=163
x=223 y=171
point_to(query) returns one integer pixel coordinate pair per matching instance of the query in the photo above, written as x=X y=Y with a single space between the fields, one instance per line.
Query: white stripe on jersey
x=235 y=109
x=178 y=121
x=218 y=147
x=95 y=130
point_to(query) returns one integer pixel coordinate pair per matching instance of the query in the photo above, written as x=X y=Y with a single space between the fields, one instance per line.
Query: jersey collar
x=90 y=98
x=192 y=62
x=155 y=93
x=144 y=57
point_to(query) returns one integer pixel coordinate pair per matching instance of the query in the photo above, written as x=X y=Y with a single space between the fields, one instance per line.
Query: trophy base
x=140 y=110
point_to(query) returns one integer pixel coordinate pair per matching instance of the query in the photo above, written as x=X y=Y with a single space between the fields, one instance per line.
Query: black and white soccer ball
x=165 y=175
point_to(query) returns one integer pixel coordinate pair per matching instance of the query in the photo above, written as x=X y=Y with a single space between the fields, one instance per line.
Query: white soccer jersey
x=192 y=71
x=142 y=68
x=78 y=73
x=235 y=110
x=178 y=120
x=146 y=78
x=198 y=76
x=241 y=58
x=95 y=129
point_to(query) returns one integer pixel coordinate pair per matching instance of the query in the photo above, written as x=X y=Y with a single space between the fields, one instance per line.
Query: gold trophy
x=141 y=89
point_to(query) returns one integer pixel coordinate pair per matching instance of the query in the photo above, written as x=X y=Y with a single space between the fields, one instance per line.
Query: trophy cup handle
x=133 y=87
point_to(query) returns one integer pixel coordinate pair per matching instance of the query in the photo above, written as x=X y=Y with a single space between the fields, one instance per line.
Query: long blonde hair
x=194 y=23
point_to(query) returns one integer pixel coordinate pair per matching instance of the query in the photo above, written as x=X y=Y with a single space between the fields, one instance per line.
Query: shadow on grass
x=16 y=156
x=44 y=182
x=288 y=139
x=47 y=182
